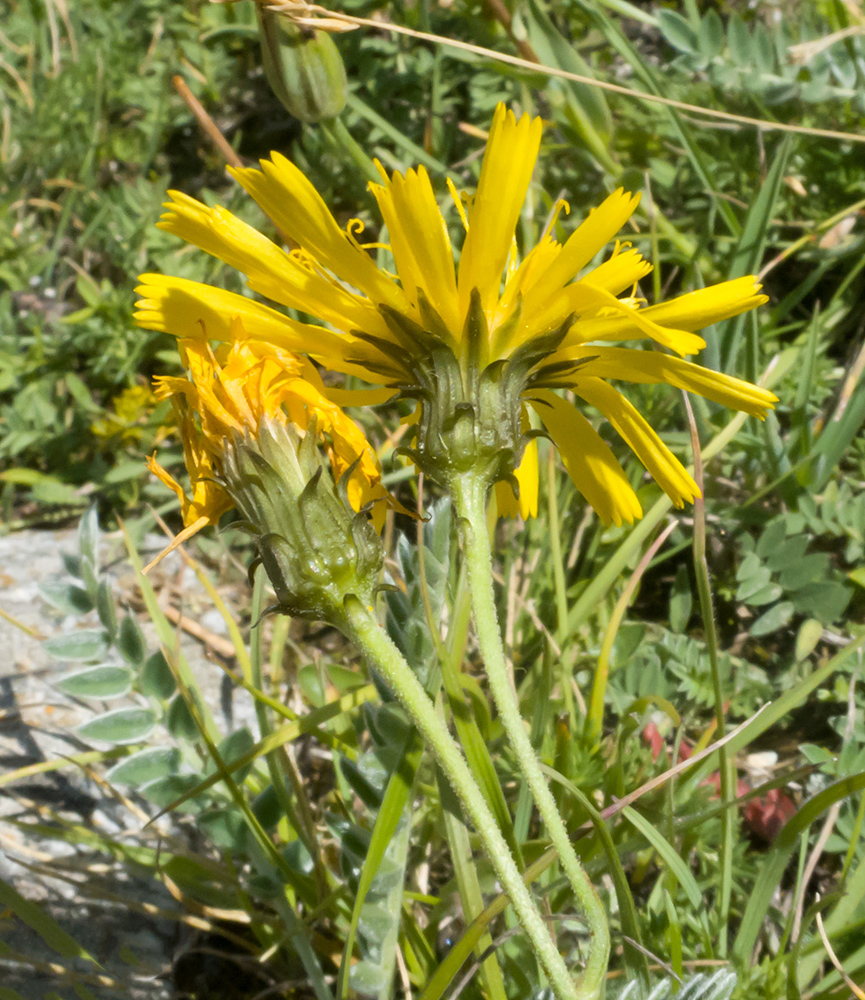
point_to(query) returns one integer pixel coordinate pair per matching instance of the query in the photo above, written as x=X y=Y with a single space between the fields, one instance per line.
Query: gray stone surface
x=95 y=900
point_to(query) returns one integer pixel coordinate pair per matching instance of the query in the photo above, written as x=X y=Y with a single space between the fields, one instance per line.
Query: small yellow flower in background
x=474 y=344
x=124 y=422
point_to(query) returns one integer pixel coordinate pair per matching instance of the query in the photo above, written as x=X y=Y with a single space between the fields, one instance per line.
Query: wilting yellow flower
x=226 y=398
x=525 y=328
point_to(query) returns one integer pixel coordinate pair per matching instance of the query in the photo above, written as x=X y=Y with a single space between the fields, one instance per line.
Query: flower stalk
x=470 y=494
x=360 y=625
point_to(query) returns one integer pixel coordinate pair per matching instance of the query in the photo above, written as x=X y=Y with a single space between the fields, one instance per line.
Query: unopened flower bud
x=303 y=67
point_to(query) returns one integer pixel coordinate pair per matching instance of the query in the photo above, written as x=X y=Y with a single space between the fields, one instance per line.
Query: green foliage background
x=94 y=134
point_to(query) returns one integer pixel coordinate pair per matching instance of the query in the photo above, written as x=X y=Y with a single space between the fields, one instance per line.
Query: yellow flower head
x=227 y=397
x=527 y=328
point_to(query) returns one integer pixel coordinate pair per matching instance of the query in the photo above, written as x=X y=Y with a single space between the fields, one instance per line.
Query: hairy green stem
x=725 y=764
x=470 y=500
x=362 y=628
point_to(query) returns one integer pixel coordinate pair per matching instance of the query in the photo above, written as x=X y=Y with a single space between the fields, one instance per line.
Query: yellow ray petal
x=507 y=504
x=705 y=306
x=509 y=160
x=271 y=271
x=344 y=397
x=591 y=465
x=293 y=203
x=526 y=476
x=621 y=271
x=419 y=240
x=583 y=299
x=178 y=540
x=209 y=501
x=667 y=471
x=599 y=227
x=692 y=311
x=651 y=367
x=186 y=308
x=534 y=263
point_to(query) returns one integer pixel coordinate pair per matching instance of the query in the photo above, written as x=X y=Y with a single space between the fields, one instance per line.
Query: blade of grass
x=165 y=630
x=417 y=154
x=764 y=124
x=269 y=861
x=701 y=164
x=586 y=107
x=595 y=718
x=635 y=957
x=88 y=757
x=40 y=921
x=710 y=632
x=773 y=865
x=393 y=805
x=279 y=737
x=669 y=854
x=300 y=818
x=842 y=916
x=468 y=884
x=749 y=255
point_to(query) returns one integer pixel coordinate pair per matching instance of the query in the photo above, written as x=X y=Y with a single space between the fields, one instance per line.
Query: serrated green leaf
x=83 y=645
x=105 y=681
x=145 y=766
x=120 y=726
